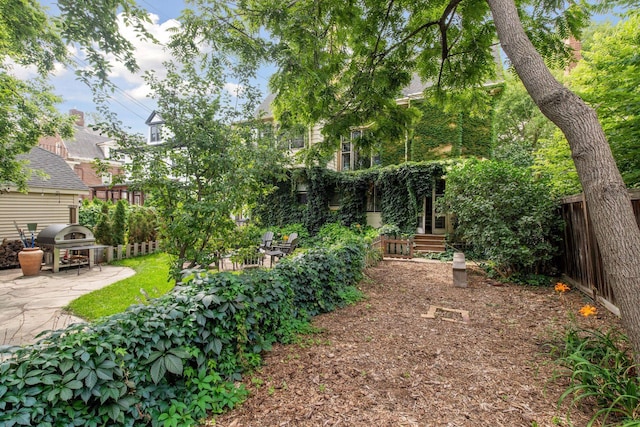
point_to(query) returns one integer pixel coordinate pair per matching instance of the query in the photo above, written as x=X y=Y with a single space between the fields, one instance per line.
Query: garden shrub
x=142 y=224
x=173 y=361
x=119 y=223
x=103 y=230
x=505 y=213
x=90 y=213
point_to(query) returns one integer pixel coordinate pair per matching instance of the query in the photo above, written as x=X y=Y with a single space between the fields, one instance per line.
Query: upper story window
x=293 y=138
x=155 y=132
x=353 y=159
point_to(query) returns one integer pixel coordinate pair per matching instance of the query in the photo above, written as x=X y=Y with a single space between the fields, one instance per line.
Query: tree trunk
x=610 y=208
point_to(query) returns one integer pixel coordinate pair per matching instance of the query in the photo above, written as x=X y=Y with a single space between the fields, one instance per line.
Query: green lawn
x=151 y=275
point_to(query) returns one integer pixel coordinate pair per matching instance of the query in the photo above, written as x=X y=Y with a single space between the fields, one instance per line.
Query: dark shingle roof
x=60 y=175
x=84 y=144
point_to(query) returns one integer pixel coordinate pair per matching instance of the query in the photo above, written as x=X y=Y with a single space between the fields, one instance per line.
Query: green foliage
x=171 y=362
x=602 y=374
x=207 y=168
x=444 y=134
x=90 y=213
x=403 y=188
x=505 y=213
x=119 y=223
x=317 y=199
x=142 y=224
x=553 y=160
x=400 y=188
x=103 y=230
x=280 y=206
x=150 y=280
x=608 y=79
x=518 y=124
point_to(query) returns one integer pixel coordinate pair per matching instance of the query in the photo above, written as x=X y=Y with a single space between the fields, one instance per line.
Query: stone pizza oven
x=63 y=237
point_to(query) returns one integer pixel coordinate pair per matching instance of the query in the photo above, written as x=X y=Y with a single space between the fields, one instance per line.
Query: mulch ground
x=383 y=362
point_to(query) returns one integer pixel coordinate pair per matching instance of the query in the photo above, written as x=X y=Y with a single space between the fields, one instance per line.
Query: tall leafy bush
x=506 y=213
x=142 y=224
x=103 y=230
x=119 y=223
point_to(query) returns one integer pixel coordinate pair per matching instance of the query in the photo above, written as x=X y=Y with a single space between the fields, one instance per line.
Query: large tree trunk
x=610 y=208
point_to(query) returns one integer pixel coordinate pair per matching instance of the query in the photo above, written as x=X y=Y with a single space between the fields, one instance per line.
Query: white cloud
x=139 y=92
x=148 y=54
x=234 y=89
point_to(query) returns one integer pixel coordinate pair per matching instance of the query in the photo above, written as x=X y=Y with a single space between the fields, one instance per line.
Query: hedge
x=174 y=361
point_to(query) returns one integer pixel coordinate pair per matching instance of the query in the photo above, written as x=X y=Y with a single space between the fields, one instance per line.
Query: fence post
x=109 y=254
x=135 y=249
x=119 y=254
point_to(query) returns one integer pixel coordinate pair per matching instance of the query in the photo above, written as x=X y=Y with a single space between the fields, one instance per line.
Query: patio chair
x=267 y=240
x=289 y=246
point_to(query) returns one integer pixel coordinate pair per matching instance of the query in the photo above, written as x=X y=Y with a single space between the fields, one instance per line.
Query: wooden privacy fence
x=581 y=259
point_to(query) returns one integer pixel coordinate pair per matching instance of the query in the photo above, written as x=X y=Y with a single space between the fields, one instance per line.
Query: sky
x=130 y=101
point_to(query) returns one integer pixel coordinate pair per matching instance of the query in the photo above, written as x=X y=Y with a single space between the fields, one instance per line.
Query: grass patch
x=151 y=275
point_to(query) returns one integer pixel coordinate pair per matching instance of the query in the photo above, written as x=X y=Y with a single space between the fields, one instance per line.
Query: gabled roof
x=84 y=145
x=60 y=175
x=154 y=118
x=264 y=109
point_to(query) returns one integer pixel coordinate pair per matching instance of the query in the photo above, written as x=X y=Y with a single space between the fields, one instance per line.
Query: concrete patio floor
x=30 y=305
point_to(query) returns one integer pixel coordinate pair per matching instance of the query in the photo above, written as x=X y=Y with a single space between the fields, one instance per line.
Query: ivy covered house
x=369 y=180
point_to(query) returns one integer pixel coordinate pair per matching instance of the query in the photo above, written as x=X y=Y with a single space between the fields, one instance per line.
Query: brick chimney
x=79 y=116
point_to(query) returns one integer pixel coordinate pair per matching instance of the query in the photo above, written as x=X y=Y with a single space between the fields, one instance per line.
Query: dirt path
x=382 y=363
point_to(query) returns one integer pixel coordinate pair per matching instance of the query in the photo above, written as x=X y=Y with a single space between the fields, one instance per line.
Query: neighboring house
x=54 y=193
x=81 y=153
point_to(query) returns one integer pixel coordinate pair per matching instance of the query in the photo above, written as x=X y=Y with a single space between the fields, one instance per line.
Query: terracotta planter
x=30 y=261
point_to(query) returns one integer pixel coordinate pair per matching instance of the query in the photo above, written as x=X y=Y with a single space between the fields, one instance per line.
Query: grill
x=57 y=237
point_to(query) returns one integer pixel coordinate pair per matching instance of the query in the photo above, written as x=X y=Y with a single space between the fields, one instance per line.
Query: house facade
x=436 y=135
x=53 y=197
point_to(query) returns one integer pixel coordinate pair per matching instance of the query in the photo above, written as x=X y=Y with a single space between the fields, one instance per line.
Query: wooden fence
x=394 y=247
x=131 y=250
x=581 y=260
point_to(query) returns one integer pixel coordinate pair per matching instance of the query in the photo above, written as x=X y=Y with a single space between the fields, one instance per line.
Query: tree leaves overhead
x=343 y=64
x=608 y=78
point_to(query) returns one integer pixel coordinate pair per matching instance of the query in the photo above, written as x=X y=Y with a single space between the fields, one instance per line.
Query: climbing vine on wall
x=401 y=188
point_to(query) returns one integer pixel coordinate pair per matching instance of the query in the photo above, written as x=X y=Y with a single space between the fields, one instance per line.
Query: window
x=106 y=178
x=155 y=133
x=301 y=198
x=297 y=140
x=353 y=159
x=373 y=199
x=346 y=156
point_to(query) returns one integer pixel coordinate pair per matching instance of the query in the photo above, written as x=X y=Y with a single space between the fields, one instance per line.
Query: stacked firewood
x=9 y=253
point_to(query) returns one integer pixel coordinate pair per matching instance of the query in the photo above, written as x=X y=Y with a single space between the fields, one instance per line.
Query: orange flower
x=588 y=310
x=561 y=287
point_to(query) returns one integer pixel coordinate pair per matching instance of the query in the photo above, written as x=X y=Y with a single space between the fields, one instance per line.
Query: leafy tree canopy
x=209 y=166
x=608 y=78
x=344 y=64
